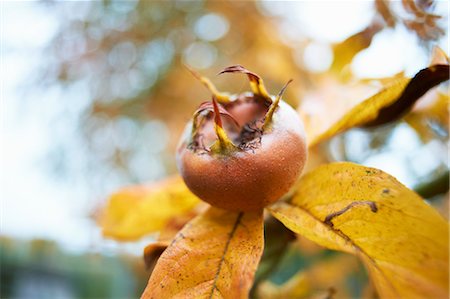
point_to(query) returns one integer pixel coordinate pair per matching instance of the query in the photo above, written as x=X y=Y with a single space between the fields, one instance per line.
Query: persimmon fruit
x=242 y=152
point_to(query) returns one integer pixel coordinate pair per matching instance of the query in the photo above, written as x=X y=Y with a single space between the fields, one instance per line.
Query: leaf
x=135 y=211
x=383 y=9
x=423 y=81
x=432 y=107
x=431 y=110
x=345 y=51
x=389 y=104
x=402 y=240
x=213 y=256
x=324 y=275
x=153 y=251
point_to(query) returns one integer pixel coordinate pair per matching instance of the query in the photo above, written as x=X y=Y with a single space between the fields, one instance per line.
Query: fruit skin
x=248 y=180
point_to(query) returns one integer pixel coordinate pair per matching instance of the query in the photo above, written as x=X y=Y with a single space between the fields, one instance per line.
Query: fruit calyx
x=245 y=117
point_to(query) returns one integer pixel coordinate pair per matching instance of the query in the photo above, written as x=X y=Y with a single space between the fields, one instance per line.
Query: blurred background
x=95 y=96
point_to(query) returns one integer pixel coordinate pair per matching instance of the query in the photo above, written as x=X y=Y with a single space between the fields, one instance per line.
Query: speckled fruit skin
x=248 y=180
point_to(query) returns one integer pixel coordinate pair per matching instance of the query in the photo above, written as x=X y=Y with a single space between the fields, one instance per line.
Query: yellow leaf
x=345 y=51
x=213 y=256
x=389 y=104
x=328 y=274
x=402 y=240
x=433 y=107
x=154 y=250
x=135 y=211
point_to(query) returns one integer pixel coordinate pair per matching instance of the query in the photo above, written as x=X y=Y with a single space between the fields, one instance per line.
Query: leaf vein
x=222 y=259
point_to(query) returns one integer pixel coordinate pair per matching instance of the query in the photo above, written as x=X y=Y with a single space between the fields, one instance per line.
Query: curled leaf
x=423 y=81
x=213 y=256
x=404 y=242
x=136 y=211
x=389 y=104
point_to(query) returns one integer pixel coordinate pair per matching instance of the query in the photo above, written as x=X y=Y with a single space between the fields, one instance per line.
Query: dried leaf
x=213 y=256
x=384 y=10
x=402 y=240
x=135 y=211
x=391 y=103
x=423 y=81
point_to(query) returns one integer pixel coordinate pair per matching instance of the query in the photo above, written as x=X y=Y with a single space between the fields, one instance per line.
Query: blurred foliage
x=41 y=269
x=129 y=56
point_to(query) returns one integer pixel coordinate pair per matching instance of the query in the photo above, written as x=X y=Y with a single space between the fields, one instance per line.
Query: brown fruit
x=246 y=159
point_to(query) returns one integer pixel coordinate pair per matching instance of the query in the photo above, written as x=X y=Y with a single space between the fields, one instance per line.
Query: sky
x=36 y=205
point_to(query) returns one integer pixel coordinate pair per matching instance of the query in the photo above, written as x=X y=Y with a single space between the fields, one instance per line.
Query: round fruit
x=245 y=153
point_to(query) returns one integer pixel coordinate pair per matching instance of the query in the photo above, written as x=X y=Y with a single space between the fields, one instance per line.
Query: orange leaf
x=213 y=256
x=345 y=51
x=153 y=251
x=135 y=211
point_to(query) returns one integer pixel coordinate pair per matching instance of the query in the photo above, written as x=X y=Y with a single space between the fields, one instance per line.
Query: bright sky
x=35 y=205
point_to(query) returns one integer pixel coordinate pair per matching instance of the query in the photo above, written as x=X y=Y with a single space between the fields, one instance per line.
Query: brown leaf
x=213 y=256
x=384 y=10
x=423 y=81
x=387 y=105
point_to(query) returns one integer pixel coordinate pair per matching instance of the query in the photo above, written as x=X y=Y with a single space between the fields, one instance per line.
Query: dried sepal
x=269 y=115
x=223 y=145
x=256 y=83
x=208 y=107
x=221 y=97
